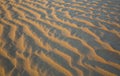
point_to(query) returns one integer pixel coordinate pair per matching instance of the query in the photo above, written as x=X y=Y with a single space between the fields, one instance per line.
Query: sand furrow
x=59 y=38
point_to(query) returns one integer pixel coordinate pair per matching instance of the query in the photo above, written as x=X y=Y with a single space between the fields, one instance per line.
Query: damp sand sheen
x=59 y=38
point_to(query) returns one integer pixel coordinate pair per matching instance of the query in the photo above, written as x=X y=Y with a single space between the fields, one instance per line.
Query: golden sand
x=59 y=38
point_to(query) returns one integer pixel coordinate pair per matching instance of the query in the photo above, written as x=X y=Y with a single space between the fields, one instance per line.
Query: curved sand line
x=59 y=38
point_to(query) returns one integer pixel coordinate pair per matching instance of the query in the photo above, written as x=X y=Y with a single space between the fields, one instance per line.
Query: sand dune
x=59 y=38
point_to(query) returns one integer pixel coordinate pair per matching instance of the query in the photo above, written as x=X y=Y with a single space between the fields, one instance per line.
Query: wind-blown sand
x=59 y=38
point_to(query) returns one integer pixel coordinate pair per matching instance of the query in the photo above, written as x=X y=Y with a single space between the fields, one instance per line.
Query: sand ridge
x=59 y=38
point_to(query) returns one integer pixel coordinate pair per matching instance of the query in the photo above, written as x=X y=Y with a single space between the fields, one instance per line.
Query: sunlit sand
x=59 y=38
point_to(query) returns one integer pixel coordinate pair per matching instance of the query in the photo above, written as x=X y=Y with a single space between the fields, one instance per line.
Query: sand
x=59 y=38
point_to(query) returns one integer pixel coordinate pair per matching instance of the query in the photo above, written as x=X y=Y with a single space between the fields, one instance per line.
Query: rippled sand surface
x=59 y=37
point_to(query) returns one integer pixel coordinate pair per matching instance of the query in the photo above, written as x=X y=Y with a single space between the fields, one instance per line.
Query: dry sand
x=59 y=38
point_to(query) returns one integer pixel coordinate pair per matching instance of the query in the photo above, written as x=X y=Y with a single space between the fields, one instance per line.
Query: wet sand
x=59 y=38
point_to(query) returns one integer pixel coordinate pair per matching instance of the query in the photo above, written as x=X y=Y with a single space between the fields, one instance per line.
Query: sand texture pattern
x=59 y=37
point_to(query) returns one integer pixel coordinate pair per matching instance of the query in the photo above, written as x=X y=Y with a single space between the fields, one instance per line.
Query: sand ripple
x=59 y=38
